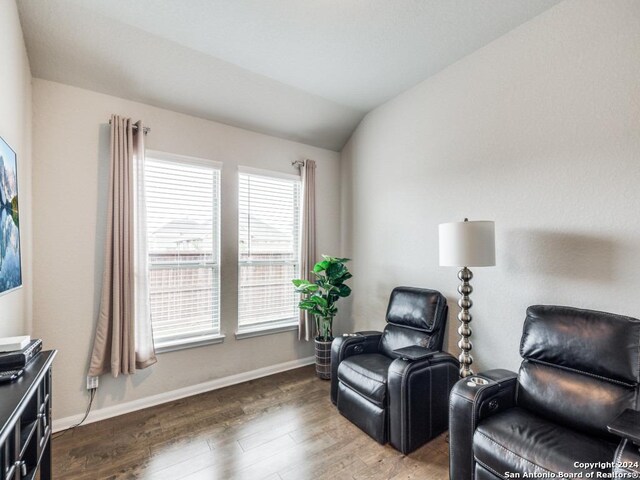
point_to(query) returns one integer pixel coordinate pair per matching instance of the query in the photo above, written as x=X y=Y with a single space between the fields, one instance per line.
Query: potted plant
x=319 y=299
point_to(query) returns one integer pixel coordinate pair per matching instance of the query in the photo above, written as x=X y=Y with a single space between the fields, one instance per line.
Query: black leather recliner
x=395 y=384
x=580 y=370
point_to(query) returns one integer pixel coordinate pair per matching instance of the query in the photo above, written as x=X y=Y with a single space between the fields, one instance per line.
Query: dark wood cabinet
x=25 y=422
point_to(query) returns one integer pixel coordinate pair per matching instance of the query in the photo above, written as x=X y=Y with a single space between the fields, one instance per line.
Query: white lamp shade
x=467 y=244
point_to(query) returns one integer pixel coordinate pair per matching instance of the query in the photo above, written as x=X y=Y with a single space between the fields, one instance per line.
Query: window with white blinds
x=183 y=211
x=269 y=250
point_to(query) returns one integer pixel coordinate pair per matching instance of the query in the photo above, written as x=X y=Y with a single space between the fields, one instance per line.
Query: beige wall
x=71 y=152
x=15 y=129
x=539 y=131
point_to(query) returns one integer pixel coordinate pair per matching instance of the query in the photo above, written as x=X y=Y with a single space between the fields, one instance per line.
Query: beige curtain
x=306 y=323
x=115 y=342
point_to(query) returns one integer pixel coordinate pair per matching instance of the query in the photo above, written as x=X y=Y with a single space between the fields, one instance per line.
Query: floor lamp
x=466 y=244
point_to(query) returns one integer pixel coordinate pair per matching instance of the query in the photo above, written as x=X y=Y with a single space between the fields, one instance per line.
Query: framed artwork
x=10 y=266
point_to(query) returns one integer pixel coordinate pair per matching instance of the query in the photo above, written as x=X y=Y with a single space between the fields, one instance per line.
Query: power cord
x=92 y=394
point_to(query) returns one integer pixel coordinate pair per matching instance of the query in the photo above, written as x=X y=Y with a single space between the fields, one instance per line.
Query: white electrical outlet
x=92 y=382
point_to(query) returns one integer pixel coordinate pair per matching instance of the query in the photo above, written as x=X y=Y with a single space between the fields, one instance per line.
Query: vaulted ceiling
x=303 y=70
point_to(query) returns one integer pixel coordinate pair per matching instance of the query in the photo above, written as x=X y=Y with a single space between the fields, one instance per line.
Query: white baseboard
x=139 y=404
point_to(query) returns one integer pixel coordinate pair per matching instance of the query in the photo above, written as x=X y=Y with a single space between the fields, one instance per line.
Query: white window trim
x=191 y=342
x=270 y=330
x=268 y=173
x=175 y=344
x=285 y=325
x=174 y=157
x=274 y=325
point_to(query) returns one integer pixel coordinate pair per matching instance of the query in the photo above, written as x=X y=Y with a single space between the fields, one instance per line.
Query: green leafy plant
x=320 y=297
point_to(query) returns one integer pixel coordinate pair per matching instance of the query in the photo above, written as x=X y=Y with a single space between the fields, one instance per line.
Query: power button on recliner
x=358 y=349
x=493 y=404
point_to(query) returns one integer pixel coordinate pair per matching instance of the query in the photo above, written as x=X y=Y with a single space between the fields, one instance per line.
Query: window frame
x=185 y=341
x=275 y=327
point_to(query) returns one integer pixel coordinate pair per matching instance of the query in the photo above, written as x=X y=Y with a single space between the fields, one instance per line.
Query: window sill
x=258 y=332
x=184 y=343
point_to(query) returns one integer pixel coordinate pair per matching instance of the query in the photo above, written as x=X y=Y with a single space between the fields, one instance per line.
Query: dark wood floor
x=281 y=427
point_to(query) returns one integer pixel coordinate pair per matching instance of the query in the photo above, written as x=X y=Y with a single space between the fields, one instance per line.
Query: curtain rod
x=135 y=127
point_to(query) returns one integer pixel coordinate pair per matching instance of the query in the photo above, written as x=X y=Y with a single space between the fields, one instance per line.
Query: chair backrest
x=415 y=316
x=581 y=367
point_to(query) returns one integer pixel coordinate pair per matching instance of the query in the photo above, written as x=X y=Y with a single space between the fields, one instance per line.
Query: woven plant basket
x=323 y=359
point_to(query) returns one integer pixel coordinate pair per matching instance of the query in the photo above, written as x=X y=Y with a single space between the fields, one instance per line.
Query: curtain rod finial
x=146 y=130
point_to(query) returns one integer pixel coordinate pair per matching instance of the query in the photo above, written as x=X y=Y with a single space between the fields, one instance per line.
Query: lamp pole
x=465 y=303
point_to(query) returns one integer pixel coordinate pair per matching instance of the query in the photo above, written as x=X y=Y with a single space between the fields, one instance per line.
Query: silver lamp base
x=465 y=303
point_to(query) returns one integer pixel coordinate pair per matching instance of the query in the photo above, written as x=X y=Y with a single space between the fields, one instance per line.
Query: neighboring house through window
x=269 y=251
x=183 y=229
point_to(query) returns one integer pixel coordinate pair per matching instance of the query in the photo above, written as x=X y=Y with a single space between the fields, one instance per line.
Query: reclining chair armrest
x=403 y=367
x=469 y=403
x=346 y=346
x=414 y=352
x=418 y=394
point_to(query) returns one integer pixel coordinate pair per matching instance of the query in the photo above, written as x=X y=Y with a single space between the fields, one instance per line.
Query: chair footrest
x=368 y=417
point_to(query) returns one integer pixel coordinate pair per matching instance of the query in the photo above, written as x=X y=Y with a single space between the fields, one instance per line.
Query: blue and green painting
x=10 y=271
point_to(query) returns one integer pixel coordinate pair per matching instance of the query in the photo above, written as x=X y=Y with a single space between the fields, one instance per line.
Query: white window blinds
x=269 y=250
x=183 y=205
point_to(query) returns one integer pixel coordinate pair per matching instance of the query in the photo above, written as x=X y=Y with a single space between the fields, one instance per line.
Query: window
x=269 y=250
x=183 y=235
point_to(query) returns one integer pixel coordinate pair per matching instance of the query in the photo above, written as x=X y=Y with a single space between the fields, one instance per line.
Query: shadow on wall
x=563 y=255
x=102 y=197
x=451 y=335
x=345 y=322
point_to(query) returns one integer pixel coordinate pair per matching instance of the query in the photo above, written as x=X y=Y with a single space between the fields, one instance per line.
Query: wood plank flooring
x=281 y=427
